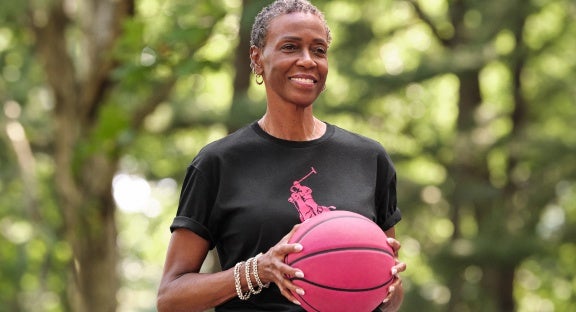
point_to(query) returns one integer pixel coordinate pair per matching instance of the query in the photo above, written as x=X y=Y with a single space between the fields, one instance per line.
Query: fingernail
x=394 y=271
x=299 y=274
x=386 y=300
x=298 y=247
x=296 y=302
x=391 y=289
x=390 y=240
x=300 y=291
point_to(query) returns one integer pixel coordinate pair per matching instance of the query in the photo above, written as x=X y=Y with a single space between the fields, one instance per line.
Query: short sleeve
x=195 y=206
x=386 y=201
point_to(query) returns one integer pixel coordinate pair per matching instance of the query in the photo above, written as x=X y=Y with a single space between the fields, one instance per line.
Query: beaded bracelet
x=238 y=284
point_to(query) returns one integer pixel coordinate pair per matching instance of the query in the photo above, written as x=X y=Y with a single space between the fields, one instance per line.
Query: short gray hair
x=281 y=7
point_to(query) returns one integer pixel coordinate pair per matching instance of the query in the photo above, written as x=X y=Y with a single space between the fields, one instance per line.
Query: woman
x=246 y=193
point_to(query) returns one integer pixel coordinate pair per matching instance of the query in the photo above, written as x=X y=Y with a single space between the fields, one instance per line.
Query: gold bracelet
x=238 y=284
x=247 y=275
x=255 y=273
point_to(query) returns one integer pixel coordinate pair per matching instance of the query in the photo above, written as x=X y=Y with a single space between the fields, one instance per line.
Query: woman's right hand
x=271 y=267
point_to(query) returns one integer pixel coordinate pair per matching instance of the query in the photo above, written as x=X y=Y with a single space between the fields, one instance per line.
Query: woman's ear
x=255 y=60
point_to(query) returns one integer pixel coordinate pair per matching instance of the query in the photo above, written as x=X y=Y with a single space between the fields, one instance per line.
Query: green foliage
x=396 y=70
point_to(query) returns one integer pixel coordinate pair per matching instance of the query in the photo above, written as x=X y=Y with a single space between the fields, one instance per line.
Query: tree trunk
x=83 y=182
x=242 y=109
x=465 y=168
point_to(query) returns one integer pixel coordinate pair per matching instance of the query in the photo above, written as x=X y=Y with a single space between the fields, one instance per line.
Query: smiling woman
x=292 y=58
x=245 y=194
x=294 y=65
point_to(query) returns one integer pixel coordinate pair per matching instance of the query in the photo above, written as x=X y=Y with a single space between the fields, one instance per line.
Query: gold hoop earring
x=259 y=79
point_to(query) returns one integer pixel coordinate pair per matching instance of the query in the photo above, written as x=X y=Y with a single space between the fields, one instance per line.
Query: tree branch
x=428 y=21
x=103 y=31
x=160 y=94
x=52 y=49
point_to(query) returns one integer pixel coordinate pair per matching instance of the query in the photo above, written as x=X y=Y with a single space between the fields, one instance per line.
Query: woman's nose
x=306 y=59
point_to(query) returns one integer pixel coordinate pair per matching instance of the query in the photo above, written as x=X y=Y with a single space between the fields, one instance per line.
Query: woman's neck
x=295 y=127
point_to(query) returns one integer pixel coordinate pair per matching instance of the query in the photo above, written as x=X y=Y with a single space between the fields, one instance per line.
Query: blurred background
x=105 y=103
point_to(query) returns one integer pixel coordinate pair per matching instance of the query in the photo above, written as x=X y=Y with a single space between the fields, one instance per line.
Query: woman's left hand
x=395 y=291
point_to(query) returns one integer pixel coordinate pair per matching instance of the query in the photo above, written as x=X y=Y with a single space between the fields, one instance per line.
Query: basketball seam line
x=331 y=219
x=339 y=249
x=345 y=289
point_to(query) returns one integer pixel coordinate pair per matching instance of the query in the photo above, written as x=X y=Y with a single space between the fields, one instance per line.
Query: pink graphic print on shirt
x=301 y=198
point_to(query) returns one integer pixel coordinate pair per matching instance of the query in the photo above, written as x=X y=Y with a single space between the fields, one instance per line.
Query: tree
x=88 y=52
x=494 y=214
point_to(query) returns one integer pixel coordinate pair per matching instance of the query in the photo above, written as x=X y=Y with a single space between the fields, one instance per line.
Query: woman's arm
x=183 y=288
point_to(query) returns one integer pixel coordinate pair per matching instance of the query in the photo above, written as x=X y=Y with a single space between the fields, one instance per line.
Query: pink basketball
x=346 y=262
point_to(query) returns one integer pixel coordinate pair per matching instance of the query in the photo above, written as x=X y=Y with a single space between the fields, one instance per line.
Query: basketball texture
x=346 y=262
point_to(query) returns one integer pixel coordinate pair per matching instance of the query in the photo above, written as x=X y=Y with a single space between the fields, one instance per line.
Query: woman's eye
x=289 y=47
x=320 y=51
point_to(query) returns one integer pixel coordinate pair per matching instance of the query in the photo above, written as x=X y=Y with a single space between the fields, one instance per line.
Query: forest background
x=104 y=104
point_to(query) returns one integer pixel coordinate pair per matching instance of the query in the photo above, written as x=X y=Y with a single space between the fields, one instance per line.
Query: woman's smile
x=304 y=81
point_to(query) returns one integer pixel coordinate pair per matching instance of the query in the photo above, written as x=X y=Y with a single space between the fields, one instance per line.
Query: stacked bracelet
x=237 y=283
x=255 y=272
x=250 y=264
x=247 y=274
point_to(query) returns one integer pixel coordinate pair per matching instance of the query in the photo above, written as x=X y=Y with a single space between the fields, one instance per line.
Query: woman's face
x=293 y=61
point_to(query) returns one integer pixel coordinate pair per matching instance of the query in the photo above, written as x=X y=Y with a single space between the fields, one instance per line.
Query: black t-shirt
x=244 y=192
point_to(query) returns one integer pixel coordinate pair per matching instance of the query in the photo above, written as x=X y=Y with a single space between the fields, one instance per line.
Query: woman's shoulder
x=355 y=140
x=238 y=138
